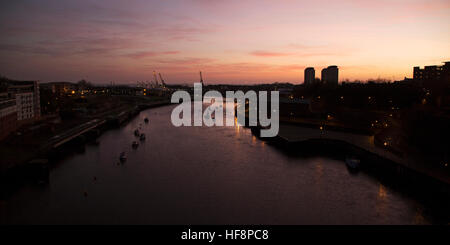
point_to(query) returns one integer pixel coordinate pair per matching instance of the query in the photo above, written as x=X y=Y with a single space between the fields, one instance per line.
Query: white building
x=25 y=106
x=28 y=103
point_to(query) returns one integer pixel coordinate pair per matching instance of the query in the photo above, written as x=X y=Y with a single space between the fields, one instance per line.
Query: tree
x=84 y=84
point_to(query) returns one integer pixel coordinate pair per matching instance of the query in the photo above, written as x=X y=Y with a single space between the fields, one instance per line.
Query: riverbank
x=404 y=170
x=212 y=172
x=33 y=163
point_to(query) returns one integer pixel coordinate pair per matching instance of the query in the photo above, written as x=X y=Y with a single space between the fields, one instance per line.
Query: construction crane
x=162 y=80
x=156 y=79
x=201 y=78
x=141 y=84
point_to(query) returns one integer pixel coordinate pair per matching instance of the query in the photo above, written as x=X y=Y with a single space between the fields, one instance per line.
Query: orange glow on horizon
x=230 y=41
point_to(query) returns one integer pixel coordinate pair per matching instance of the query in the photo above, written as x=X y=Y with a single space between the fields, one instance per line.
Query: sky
x=230 y=41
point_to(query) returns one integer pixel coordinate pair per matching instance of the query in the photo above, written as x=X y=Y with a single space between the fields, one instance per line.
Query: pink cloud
x=268 y=54
x=145 y=54
x=185 y=32
x=186 y=61
x=171 y=52
x=303 y=46
x=292 y=67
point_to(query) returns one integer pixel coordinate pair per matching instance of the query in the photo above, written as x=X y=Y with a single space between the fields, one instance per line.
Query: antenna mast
x=162 y=80
x=201 y=78
x=156 y=79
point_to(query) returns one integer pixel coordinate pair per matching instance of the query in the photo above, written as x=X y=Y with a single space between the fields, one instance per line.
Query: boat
x=123 y=157
x=142 y=137
x=146 y=120
x=352 y=163
x=135 y=144
x=136 y=133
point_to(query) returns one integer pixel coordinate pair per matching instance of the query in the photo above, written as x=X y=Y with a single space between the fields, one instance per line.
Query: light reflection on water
x=203 y=175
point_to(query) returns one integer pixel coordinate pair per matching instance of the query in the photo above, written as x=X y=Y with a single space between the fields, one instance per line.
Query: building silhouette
x=330 y=75
x=310 y=75
x=324 y=75
x=432 y=73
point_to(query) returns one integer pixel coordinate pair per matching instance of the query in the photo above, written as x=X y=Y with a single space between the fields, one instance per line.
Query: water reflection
x=203 y=175
x=380 y=203
x=319 y=170
x=419 y=219
x=382 y=193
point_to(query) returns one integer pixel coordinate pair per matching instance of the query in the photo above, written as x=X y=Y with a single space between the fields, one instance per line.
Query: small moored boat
x=142 y=137
x=135 y=144
x=123 y=157
x=352 y=163
x=136 y=133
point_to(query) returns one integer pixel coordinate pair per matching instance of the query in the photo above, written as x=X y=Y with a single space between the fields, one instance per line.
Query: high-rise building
x=330 y=75
x=310 y=75
x=324 y=75
x=446 y=72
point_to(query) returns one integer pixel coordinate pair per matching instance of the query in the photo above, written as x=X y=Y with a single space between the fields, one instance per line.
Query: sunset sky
x=229 y=41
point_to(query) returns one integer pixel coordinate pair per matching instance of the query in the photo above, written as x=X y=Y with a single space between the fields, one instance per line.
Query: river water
x=203 y=175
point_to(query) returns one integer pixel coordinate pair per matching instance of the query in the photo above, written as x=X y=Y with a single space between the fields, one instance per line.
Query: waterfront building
x=60 y=88
x=8 y=115
x=432 y=73
x=310 y=75
x=285 y=92
x=294 y=107
x=27 y=97
x=125 y=90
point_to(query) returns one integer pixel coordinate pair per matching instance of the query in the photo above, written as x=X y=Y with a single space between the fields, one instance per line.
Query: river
x=203 y=175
